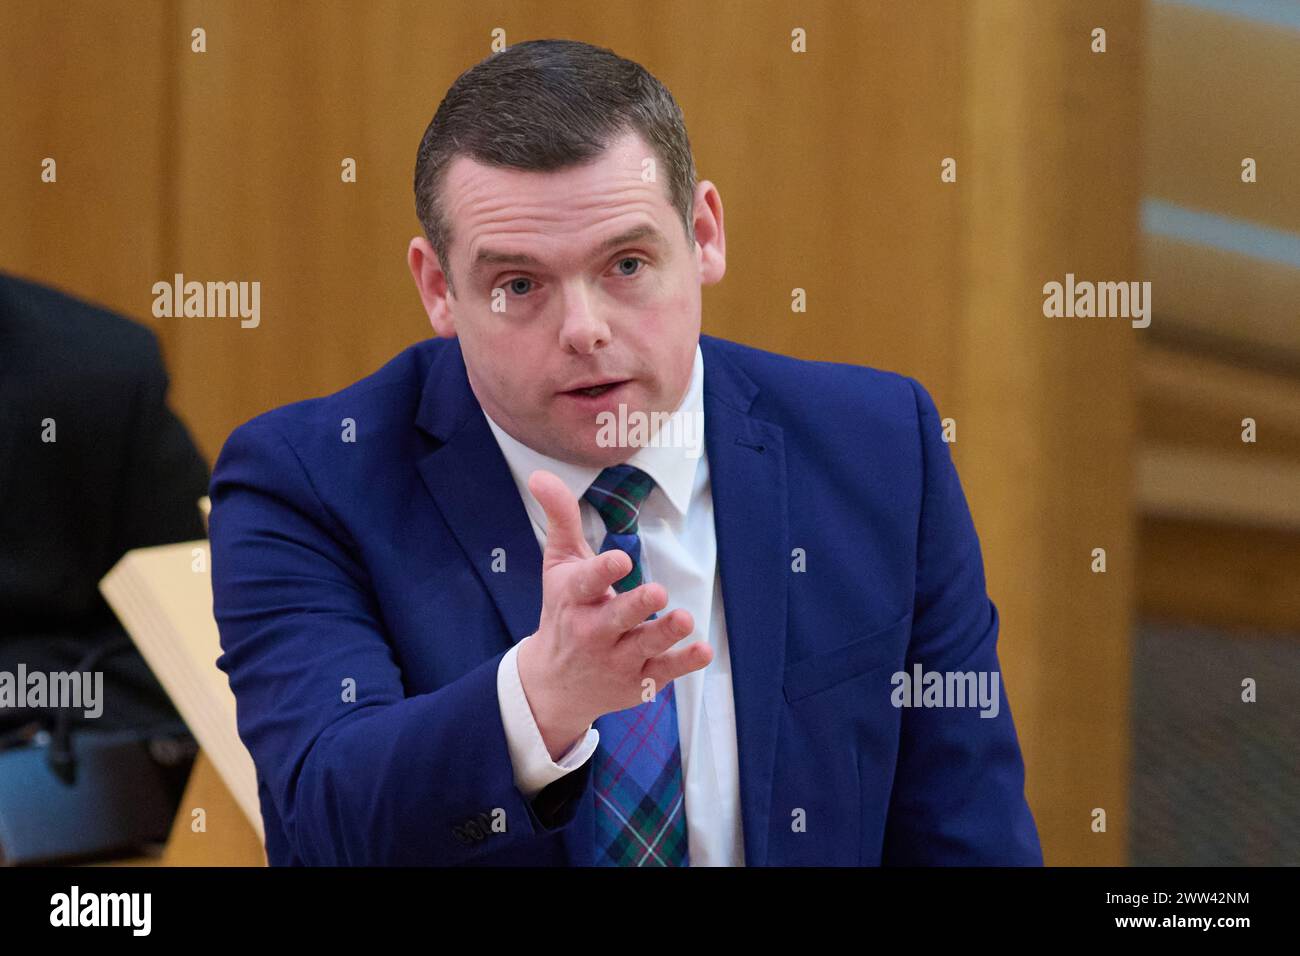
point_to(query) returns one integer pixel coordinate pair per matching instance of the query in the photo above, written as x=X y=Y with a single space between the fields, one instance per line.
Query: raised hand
x=594 y=649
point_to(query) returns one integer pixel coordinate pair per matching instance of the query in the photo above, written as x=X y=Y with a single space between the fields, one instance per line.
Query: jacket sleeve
x=359 y=772
x=958 y=795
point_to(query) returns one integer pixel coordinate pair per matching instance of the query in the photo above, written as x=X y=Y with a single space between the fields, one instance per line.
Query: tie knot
x=617 y=494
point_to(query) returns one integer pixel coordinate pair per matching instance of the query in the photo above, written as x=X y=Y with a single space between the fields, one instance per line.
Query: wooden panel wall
x=225 y=165
x=1045 y=406
x=88 y=89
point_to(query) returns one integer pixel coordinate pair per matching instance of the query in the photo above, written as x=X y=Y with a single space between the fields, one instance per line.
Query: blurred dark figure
x=122 y=473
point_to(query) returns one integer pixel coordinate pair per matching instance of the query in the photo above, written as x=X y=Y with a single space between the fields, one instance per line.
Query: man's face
x=569 y=279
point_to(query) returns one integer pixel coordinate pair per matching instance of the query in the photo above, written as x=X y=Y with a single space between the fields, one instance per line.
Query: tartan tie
x=640 y=804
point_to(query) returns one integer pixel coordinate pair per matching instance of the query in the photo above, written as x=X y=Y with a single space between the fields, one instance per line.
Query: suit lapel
x=747 y=472
x=472 y=487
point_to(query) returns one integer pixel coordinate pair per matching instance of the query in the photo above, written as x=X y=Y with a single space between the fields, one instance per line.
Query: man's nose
x=583 y=330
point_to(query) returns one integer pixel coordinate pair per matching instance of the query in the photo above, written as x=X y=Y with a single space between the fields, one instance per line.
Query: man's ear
x=710 y=236
x=431 y=282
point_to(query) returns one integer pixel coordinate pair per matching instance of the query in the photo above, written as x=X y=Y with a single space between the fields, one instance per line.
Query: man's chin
x=591 y=454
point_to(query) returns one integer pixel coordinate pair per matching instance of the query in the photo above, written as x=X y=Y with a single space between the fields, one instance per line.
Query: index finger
x=563 y=520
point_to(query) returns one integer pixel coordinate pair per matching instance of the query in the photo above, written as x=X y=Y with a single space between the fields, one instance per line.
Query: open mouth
x=594 y=391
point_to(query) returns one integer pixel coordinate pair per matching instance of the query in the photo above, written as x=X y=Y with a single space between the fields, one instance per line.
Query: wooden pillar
x=1045 y=406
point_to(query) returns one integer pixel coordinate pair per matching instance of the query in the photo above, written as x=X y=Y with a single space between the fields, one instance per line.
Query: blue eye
x=625 y=259
x=514 y=285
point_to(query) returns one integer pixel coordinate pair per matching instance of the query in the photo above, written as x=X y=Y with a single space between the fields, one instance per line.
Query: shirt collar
x=671 y=466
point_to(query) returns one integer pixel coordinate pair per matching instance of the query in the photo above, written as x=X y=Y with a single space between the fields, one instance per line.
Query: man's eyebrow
x=635 y=234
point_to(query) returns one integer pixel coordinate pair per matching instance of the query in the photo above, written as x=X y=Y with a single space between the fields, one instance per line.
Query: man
x=464 y=626
x=93 y=463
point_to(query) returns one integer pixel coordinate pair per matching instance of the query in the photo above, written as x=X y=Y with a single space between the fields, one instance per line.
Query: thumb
x=563 y=519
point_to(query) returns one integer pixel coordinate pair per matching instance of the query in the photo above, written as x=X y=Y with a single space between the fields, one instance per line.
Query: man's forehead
x=626 y=162
x=486 y=192
x=490 y=205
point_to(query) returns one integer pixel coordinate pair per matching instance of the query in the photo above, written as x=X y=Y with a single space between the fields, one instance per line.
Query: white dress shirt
x=678 y=550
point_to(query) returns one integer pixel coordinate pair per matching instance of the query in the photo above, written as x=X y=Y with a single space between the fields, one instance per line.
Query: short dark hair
x=544 y=105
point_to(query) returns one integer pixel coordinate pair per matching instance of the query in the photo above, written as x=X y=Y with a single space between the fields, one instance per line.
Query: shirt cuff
x=532 y=763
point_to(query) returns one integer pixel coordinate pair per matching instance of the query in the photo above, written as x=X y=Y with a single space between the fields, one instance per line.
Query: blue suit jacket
x=367 y=564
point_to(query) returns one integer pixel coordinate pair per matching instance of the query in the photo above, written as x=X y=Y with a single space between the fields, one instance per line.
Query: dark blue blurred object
x=124 y=795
